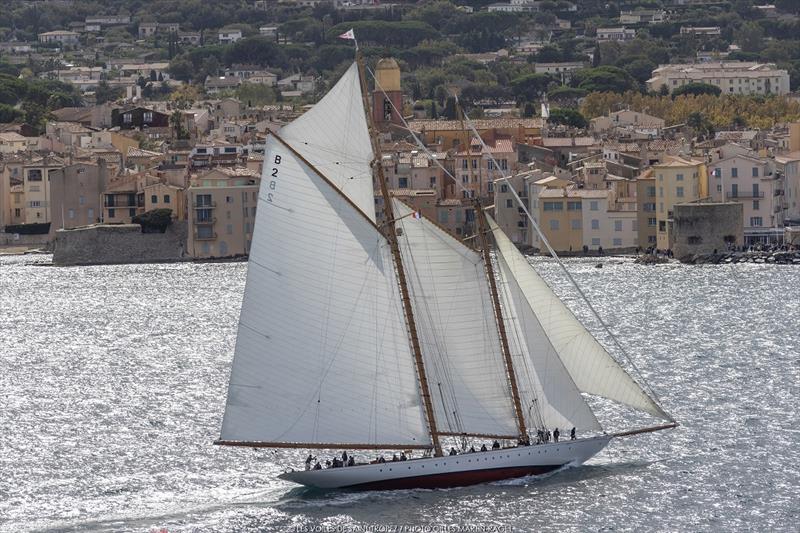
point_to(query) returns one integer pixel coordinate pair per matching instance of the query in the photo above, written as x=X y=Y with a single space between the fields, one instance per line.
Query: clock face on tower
x=387 y=110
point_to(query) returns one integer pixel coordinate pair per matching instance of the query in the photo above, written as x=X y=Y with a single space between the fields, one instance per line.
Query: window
x=755 y=191
x=734 y=190
x=617 y=242
x=229 y=229
x=247 y=227
x=81 y=200
x=443 y=217
x=756 y=221
x=35 y=174
x=661 y=207
x=649 y=206
x=127 y=118
x=734 y=172
x=509 y=203
x=553 y=206
x=651 y=239
x=229 y=199
x=504 y=188
x=593 y=206
x=756 y=205
x=71 y=213
x=204 y=215
x=147 y=116
x=132 y=212
x=617 y=225
x=464 y=164
x=576 y=224
x=651 y=190
x=679 y=192
x=719 y=188
x=679 y=177
x=474 y=163
x=651 y=222
x=595 y=224
x=90 y=214
x=206 y=248
x=755 y=172
x=554 y=225
x=203 y=200
x=433 y=182
x=490 y=186
x=154 y=198
x=464 y=178
x=661 y=177
x=111 y=213
x=573 y=206
x=490 y=164
x=596 y=241
x=402 y=183
x=205 y=232
x=504 y=164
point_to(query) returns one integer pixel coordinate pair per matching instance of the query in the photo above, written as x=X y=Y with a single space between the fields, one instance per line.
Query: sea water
x=113 y=380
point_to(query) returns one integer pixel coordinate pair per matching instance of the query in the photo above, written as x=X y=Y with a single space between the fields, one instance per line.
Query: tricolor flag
x=349 y=34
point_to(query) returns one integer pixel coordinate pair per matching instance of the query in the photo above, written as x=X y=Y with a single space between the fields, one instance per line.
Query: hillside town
x=134 y=136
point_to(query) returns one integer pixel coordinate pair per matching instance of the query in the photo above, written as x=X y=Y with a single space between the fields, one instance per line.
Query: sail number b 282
x=273 y=184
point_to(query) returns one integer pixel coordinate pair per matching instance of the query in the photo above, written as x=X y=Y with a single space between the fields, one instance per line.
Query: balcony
x=206 y=205
x=210 y=237
x=745 y=195
x=205 y=220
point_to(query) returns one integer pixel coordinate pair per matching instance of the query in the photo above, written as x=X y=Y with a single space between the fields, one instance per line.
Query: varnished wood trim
x=326 y=445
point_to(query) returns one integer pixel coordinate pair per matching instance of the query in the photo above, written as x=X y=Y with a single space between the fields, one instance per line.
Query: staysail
x=457 y=329
x=549 y=397
x=334 y=137
x=591 y=367
x=322 y=353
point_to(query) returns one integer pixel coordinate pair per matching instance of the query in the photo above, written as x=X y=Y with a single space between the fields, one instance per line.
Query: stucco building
x=732 y=77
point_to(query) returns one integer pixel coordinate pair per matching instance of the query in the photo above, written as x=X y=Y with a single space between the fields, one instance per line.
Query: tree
x=604 y=79
x=450 y=108
x=154 y=221
x=567 y=117
x=750 y=37
x=530 y=86
x=641 y=69
x=697 y=89
x=565 y=95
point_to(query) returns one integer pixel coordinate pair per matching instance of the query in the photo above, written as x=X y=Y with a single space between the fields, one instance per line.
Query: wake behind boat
x=398 y=336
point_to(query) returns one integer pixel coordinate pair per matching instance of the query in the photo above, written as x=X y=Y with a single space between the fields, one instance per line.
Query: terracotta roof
x=562 y=142
x=481 y=124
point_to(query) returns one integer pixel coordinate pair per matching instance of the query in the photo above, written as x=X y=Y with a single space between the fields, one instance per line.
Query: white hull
x=453 y=471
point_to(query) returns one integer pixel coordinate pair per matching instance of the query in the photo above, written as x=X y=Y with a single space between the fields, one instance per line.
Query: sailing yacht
x=355 y=335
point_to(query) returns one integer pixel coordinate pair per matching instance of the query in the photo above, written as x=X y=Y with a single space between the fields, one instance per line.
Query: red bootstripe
x=455 y=479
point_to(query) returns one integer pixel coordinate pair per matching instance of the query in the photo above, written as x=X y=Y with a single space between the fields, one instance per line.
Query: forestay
x=591 y=367
x=549 y=397
x=458 y=333
x=334 y=137
x=322 y=353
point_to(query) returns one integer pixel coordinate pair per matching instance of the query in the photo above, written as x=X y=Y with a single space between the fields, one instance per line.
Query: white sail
x=591 y=367
x=458 y=334
x=549 y=397
x=322 y=353
x=334 y=137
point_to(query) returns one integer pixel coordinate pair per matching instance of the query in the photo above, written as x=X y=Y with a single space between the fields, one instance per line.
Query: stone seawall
x=118 y=244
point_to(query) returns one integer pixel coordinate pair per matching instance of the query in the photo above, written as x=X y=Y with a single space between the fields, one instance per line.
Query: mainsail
x=590 y=366
x=322 y=353
x=457 y=329
x=334 y=137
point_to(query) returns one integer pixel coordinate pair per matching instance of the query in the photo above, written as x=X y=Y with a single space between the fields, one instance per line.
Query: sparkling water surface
x=112 y=381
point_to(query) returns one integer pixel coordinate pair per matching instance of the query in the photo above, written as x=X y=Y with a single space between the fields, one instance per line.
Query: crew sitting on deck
x=351 y=461
x=403 y=456
x=472 y=449
x=317 y=466
x=394 y=458
x=483 y=447
x=453 y=451
x=495 y=445
x=381 y=459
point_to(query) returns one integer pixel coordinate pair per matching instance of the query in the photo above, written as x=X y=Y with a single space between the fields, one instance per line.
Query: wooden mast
x=483 y=241
x=391 y=236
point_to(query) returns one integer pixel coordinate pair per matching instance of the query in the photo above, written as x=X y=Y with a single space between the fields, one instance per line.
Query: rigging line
x=606 y=328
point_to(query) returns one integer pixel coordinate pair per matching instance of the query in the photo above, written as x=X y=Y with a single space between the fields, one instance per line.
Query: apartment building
x=732 y=77
x=616 y=34
x=478 y=167
x=646 y=201
x=678 y=180
x=222 y=204
x=788 y=166
x=508 y=213
x=753 y=183
x=36 y=188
